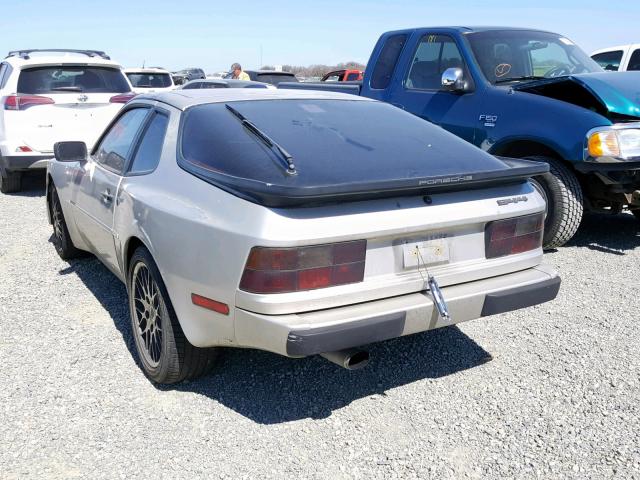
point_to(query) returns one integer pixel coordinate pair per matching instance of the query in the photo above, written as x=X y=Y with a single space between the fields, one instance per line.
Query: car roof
x=183 y=99
x=226 y=81
x=615 y=48
x=468 y=29
x=271 y=72
x=66 y=58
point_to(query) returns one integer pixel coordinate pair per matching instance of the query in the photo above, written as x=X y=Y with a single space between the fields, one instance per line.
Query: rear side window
x=150 y=80
x=352 y=76
x=387 y=61
x=5 y=71
x=609 y=60
x=634 y=62
x=148 y=154
x=115 y=146
x=72 y=79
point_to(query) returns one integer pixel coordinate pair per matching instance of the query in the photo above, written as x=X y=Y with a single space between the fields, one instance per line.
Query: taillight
x=281 y=270
x=22 y=102
x=513 y=235
x=122 y=97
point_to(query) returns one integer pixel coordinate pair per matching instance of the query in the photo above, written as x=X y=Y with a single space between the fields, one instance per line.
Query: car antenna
x=291 y=168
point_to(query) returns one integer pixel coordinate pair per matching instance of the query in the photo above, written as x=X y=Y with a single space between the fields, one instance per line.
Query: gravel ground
x=549 y=392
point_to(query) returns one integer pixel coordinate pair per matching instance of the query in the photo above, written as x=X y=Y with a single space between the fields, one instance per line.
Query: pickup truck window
x=634 y=62
x=352 y=77
x=609 y=60
x=387 y=60
x=434 y=54
x=516 y=55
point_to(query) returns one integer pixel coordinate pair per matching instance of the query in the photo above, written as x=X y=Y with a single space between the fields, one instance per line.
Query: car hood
x=615 y=95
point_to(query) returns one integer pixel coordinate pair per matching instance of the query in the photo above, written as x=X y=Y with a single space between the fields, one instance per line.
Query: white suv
x=48 y=96
x=149 y=80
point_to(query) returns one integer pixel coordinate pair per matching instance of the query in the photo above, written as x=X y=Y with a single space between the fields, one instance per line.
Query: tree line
x=316 y=70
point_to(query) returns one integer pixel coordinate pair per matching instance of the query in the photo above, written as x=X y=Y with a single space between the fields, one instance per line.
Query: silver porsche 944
x=296 y=222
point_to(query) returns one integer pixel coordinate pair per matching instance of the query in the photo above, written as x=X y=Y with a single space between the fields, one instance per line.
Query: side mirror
x=70 y=151
x=453 y=80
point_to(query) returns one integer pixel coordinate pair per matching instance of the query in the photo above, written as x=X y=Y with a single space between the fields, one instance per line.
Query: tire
x=10 y=182
x=165 y=354
x=61 y=238
x=563 y=194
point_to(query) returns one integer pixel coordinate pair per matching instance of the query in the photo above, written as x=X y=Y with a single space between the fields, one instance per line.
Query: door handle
x=107 y=198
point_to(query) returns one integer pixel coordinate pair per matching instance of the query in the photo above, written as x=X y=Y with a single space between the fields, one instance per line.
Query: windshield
x=72 y=79
x=150 y=80
x=514 y=55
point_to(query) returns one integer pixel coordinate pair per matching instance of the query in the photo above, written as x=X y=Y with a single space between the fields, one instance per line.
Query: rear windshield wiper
x=66 y=89
x=524 y=77
x=286 y=156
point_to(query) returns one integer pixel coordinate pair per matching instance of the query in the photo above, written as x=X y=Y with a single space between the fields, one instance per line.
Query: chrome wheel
x=148 y=311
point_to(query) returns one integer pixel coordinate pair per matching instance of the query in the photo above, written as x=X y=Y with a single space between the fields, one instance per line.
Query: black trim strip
x=520 y=297
x=338 y=337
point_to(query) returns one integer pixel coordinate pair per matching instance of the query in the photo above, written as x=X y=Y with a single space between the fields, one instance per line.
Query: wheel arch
x=130 y=246
x=520 y=147
x=47 y=196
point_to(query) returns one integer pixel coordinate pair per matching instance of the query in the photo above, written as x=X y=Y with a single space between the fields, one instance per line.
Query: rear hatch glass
x=81 y=107
x=81 y=79
x=339 y=148
x=275 y=78
x=150 y=80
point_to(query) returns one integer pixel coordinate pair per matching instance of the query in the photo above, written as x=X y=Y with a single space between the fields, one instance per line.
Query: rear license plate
x=429 y=252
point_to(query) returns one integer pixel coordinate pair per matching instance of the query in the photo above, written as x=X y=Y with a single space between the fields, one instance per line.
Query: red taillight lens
x=22 y=102
x=122 y=98
x=513 y=235
x=281 y=270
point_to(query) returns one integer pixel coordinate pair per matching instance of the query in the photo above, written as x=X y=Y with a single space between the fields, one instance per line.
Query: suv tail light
x=122 y=97
x=282 y=270
x=22 y=102
x=513 y=235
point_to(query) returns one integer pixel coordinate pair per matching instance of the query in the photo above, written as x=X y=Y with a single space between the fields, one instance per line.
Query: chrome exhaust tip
x=350 y=358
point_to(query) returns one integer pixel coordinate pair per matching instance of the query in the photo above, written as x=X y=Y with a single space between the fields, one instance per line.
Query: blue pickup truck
x=520 y=93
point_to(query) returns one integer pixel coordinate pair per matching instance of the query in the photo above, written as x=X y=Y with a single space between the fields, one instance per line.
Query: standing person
x=237 y=73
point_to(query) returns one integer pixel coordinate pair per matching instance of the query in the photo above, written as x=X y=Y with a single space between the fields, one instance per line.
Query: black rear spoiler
x=282 y=196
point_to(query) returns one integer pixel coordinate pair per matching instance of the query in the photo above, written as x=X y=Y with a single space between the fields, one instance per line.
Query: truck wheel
x=10 y=182
x=61 y=238
x=563 y=194
x=166 y=356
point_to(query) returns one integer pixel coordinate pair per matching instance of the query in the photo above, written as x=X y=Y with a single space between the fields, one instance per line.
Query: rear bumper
x=24 y=162
x=298 y=335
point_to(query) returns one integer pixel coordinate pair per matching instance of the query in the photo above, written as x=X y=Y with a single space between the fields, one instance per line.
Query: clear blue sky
x=212 y=35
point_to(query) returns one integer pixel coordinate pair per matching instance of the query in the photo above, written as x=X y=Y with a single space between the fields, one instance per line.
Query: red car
x=343 y=76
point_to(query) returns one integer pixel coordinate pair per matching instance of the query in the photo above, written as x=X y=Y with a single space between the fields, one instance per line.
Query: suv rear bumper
x=24 y=162
x=298 y=335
